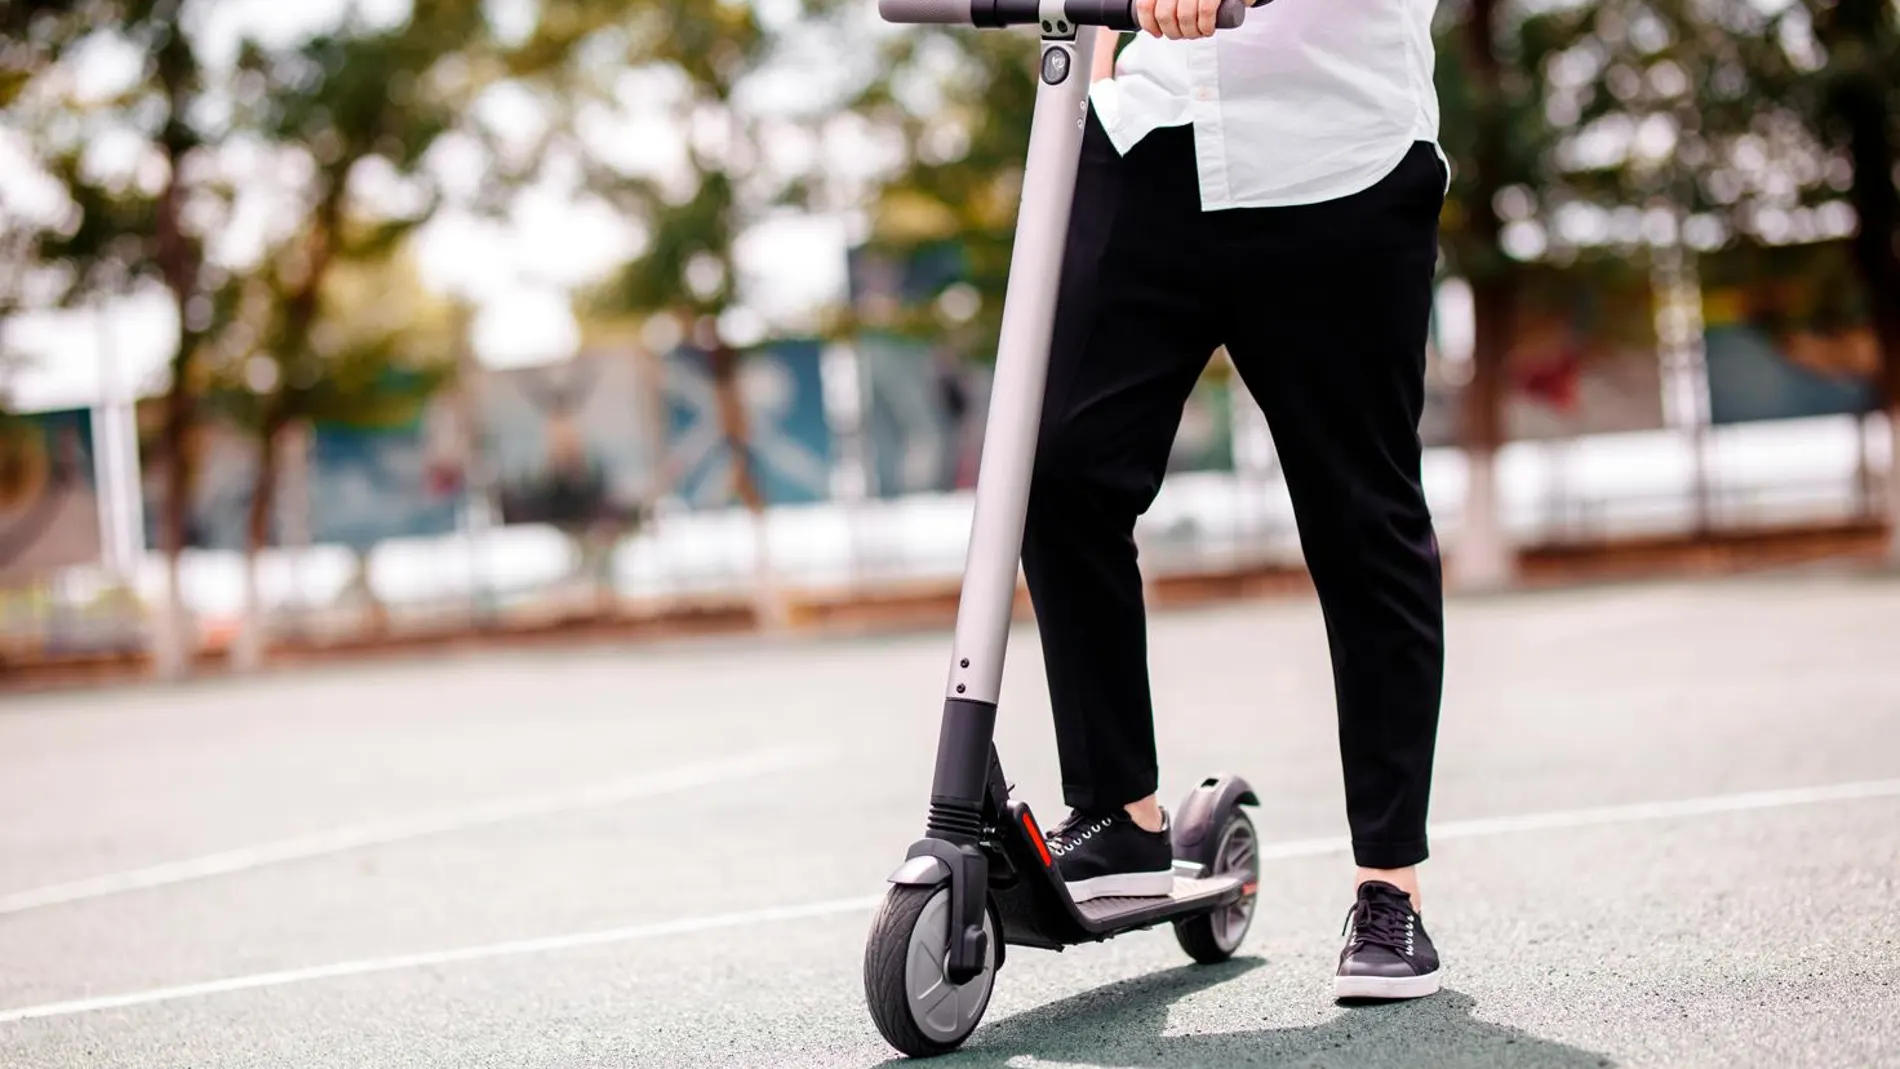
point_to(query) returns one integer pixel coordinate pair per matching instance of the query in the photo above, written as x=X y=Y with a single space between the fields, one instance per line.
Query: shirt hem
x=1358 y=182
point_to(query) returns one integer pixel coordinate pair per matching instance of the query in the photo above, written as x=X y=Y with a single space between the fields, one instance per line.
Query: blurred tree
x=1860 y=108
x=692 y=63
x=1751 y=121
x=962 y=102
x=345 y=106
x=362 y=109
x=1480 y=141
x=122 y=228
x=362 y=358
x=1498 y=128
x=330 y=138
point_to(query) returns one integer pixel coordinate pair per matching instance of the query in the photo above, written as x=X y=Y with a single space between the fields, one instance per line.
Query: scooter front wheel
x=916 y=1007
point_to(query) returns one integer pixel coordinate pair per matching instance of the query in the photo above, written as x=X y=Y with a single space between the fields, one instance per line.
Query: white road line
x=443 y=957
x=1468 y=829
x=1609 y=814
x=415 y=826
x=1683 y=807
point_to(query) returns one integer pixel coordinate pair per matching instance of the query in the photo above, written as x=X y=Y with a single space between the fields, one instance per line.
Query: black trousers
x=1324 y=309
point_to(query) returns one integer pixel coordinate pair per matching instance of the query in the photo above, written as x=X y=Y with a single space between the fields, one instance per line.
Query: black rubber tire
x=1198 y=935
x=1197 y=938
x=886 y=955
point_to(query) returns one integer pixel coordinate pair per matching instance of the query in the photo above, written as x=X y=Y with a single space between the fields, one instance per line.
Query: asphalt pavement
x=1667 y=833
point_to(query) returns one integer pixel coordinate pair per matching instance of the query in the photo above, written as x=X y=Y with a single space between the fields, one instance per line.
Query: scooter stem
x=965 y=741
x=988 y=598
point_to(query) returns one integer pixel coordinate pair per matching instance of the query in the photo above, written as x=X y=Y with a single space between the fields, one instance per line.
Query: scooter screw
x=966 y=662
x=960 y=688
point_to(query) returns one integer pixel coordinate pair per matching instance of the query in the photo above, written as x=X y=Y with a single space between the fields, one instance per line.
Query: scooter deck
x=1190 y=896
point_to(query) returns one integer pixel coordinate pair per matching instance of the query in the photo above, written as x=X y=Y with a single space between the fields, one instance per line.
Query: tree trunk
x=174 y=636
x=478 y=481
x=599 y=544
x=375 y=615
x=767 y=598
x=1893 y=485
x=175 y=640
x=253 y=634
x=1485 y=559
x=1860 y=101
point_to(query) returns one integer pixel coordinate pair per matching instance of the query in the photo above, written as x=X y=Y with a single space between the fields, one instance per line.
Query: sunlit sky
x=518 y=272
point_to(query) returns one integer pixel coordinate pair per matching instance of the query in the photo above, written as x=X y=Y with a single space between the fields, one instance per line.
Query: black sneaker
x=1388 y=954
x=1110 y=856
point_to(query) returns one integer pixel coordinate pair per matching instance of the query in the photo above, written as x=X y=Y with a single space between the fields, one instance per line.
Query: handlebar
x=1114 y=14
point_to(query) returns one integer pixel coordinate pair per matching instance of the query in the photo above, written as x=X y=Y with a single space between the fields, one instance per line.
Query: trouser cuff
x=1098 y=799
x=1370 y=855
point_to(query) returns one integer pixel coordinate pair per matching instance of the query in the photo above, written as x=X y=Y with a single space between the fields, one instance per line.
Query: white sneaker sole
x=1385 y=986
x=1123 y=885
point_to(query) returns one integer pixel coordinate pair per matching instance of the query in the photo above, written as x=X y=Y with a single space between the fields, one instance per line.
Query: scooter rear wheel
x=1211 y=938
x=915 y=1006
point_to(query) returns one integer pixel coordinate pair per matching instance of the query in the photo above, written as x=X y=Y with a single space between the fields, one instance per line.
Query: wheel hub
x=944 y=1011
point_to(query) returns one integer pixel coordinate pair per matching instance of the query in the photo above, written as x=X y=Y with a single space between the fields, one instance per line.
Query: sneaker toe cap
x=1377 y=963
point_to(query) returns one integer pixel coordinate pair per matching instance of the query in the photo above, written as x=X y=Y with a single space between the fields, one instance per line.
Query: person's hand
x=1104 y=65
x=1177 y=20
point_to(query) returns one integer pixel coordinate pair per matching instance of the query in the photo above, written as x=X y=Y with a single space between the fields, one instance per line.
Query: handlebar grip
x=1120 y=14
x=934 y=12
x=1114 y=14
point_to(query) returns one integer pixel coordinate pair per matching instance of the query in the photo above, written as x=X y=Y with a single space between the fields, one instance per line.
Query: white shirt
x=1307 y=101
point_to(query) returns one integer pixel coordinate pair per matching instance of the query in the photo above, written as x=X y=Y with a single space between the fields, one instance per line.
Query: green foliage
x=1510 y=110
x=1762 y=102
x=963 y=169
x=352 y=98
x=378 y=348
x=342 y=100
x=1752 y=94
x=708 y=48
x=372 y=387
x=113 y=235
x=695 y=62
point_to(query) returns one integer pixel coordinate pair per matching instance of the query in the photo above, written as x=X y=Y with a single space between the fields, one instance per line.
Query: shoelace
x=1380 y=920
x=1074 y=831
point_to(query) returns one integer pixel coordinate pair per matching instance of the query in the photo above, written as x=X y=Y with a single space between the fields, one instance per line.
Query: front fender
x=923 y=871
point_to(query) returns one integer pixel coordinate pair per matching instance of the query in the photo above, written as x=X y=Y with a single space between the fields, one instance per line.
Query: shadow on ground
x=1122 y=1026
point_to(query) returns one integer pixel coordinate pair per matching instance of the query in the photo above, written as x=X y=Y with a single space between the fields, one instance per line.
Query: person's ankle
x=1146 y=813
x=1405 y=879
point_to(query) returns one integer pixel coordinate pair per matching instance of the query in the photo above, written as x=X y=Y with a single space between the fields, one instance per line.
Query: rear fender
x=1197 y=824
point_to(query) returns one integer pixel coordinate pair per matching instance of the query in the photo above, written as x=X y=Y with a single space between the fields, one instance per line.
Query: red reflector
x=1035 y=836
x=1249 y=888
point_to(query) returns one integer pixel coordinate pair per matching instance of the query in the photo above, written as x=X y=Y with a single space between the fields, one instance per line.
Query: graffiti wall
x=923 y=415
x=570 y=444
x=1788 y=334
x=49 y=497
x=223 y=468
x=1583 y=360
x=781 y=388
x=368 y=484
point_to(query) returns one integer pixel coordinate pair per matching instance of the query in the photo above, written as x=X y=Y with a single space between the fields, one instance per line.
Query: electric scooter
x=982 y=877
